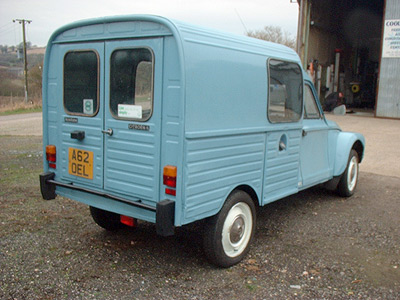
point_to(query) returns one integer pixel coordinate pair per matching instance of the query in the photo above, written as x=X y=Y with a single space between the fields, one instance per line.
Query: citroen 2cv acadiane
x=152 y=119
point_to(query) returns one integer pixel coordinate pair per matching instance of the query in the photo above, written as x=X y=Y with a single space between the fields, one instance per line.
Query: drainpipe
x=299 y=43
x=307 y=33
x=303 y=31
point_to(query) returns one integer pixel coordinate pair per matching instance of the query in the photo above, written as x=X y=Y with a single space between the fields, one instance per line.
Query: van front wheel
x=348 y=182
x=228 y=234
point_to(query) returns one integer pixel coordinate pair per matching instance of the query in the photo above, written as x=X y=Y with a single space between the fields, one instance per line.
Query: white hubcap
x=352 y=173
x=237 y=229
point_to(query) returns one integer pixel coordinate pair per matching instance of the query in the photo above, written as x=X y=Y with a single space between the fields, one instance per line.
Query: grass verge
x=16 y=105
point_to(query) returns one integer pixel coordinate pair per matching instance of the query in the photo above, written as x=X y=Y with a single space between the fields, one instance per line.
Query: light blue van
x=152 y=119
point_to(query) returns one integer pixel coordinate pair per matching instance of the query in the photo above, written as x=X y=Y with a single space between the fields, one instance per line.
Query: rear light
x=169 y=179
x=128 y=221
x=51 y=155
x=171 y=192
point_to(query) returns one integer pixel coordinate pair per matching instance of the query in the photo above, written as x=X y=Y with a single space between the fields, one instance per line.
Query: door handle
x=109 y=131
x=282 y=146
x=78 y=135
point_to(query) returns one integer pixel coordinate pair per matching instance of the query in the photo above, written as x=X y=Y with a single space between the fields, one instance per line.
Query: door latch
x=78 y=135
x=109 y=131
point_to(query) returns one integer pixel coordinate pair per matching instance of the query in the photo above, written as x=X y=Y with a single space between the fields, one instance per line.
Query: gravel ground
x=314 y=245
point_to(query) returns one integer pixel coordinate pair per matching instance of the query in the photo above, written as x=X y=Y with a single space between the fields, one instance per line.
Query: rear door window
x=131 y=84
x=81 y=83
x=285 y=91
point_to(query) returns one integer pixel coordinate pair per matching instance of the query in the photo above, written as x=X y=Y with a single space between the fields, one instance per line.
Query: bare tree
x=4 y=49
x=35 y=80
x=274 y=34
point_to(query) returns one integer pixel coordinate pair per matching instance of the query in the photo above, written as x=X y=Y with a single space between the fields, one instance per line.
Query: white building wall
x=388 y=102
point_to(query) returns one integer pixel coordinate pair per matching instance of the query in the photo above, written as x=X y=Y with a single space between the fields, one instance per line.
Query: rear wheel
x=105 y=219
x=348 y=182
x=229 y=234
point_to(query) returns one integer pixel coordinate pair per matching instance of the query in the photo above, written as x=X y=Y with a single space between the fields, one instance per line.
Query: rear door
x=80 y=117
x=132 y=117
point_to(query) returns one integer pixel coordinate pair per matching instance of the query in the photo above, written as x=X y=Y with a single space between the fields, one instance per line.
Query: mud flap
x=332 y=184
x=48 y=190
x=165 y=215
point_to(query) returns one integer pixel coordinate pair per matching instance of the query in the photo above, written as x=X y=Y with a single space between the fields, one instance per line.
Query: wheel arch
x=250 y=191
x=346 y=141
x=359 y=147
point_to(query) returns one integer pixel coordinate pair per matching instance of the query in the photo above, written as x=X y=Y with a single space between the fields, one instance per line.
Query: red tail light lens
x=51 y=155
x=169 y=179
x=169 y=176
x=128 y=221
x=171 y=192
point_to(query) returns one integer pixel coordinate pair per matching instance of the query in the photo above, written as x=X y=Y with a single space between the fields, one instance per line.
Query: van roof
x=117 y=27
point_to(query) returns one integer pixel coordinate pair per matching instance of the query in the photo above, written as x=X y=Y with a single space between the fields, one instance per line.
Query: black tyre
x=228 y=234
x=348 y=182
x=105 y=219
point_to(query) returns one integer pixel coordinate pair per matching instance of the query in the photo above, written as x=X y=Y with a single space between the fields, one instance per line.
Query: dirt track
x=21 y=124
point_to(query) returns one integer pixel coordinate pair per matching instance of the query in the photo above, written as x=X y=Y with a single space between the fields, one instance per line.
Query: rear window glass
x=285 y=91
x=131 y=84
x=81 y=83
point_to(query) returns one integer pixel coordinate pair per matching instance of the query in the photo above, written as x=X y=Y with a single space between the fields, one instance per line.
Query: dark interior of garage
x=343 y=48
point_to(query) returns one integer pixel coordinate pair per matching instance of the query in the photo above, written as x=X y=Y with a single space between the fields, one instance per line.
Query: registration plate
x=80 y=163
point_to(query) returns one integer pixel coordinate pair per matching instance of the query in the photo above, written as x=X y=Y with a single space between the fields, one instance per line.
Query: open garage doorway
x=339 y=42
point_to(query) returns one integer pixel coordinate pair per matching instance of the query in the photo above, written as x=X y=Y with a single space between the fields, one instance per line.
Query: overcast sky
x=228 y=15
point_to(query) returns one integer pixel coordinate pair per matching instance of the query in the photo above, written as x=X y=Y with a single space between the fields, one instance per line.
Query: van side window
x=285 y=91
x=311 y=110
x=81 y=83
x=131 y=84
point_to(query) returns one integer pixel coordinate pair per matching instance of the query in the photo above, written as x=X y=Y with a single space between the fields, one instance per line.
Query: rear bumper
x=165 y=210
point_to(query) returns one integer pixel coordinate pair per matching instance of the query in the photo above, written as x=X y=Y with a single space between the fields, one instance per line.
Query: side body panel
x=227 y=133
x=215 y=166
x=281 y=164
x=172 y=137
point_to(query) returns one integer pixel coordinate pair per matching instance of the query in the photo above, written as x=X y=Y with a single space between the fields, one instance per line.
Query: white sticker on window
x=130 y=111
x=88 y=106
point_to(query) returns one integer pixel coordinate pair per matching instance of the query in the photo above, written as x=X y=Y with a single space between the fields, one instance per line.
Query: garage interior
x=339 y=42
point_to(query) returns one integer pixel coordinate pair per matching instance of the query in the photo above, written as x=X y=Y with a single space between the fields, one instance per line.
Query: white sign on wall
x=391 y=39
